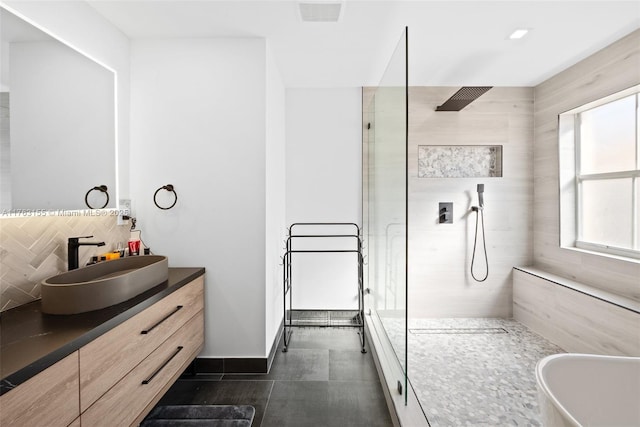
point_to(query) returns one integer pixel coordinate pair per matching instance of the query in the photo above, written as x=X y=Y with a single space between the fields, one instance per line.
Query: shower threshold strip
x=457 y=331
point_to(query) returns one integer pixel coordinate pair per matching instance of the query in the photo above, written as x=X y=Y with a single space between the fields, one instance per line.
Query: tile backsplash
x=34 y=248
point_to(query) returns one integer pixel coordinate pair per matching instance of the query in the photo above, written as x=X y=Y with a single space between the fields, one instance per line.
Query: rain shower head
x=463 y=97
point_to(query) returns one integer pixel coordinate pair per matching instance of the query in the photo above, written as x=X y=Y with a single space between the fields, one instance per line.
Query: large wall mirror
x=57 y=124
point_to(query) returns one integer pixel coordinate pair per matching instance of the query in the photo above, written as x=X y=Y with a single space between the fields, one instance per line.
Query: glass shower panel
x=386 y=206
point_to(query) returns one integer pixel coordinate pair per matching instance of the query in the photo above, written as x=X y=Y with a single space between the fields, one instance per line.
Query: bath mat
x=200 y=415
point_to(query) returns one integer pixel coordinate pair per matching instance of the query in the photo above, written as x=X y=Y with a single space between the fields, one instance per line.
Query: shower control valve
x=445 y=213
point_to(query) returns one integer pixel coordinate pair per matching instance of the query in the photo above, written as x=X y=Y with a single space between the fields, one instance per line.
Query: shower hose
x=479 y=216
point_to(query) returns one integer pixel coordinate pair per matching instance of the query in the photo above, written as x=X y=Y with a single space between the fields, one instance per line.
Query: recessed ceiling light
x=519 y=33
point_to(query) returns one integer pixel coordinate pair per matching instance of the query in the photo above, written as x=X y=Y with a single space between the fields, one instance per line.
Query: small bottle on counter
x=121 y=249
x=134 y=247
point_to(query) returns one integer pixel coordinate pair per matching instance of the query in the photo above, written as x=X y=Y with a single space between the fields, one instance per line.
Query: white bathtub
x=589 y=390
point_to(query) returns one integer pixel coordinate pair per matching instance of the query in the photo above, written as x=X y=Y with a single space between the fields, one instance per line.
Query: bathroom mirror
x=57 y=123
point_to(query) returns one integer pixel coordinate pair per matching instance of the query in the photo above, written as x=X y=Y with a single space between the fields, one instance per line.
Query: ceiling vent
x=320 y=11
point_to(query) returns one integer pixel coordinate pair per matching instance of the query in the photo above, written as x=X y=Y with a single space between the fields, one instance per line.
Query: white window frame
x=571 y=179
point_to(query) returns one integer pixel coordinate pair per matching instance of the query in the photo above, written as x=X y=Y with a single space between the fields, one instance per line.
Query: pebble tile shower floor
x=475 y=372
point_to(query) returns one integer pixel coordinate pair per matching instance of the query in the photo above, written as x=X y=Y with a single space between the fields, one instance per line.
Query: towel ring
x=167 y=187
x=101 y=188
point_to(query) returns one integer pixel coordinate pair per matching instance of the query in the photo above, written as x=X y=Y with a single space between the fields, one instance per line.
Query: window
x=600 y=175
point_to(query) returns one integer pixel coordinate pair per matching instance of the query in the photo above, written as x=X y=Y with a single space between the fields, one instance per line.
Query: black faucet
x=72 y=249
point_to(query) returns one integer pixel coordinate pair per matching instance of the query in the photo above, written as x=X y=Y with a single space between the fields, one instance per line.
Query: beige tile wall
x=573 y=320
x=440 y=254
x=610 y=70
x=34 y=248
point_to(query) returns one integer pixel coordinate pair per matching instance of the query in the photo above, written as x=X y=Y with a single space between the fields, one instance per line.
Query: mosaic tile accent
x=467 y=378
x=459 y=161
x=34 y=248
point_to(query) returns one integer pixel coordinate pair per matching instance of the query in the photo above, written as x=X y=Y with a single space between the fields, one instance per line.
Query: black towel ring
x=101 y=188
x=167 y=187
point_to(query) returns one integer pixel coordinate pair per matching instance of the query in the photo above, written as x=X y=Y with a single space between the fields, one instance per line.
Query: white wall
x=79 y=25
x=324 y=184
x=275 y=183
x=4 y=66
x=199 y=109
x=210 y=141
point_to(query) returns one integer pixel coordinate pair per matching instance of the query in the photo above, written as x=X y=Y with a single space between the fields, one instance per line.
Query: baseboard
x=275 y=345
x=237 y=365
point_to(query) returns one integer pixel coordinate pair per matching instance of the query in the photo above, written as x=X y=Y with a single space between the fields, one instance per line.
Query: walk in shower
x=452 y=355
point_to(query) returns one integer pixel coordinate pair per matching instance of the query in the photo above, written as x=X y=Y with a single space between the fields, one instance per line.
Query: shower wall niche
x=459 y=161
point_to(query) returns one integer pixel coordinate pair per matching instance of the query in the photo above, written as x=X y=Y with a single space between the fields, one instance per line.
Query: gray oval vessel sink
x=101 y=285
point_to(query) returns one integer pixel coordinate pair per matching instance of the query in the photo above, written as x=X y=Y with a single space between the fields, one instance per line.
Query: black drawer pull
x=146 y=331
x=148 y=380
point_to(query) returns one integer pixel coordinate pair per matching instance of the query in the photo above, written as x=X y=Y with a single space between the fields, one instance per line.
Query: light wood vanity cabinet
x=104 y=361
x=134 y=396
x=127 y=370
x=48 y=399
x=116 y=379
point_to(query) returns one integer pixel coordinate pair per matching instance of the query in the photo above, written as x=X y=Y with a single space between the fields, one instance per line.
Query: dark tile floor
x=323 y=380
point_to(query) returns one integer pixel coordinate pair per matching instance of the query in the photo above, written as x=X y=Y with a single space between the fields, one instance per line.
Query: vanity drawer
x=134 y=396
x=104 y=361
x=48 y=399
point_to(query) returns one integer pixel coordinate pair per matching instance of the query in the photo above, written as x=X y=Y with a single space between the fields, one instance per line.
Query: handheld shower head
x=481 y=195
x=479 y=210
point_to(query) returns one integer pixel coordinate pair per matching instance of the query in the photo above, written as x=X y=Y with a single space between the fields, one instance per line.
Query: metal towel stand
x=287 y=270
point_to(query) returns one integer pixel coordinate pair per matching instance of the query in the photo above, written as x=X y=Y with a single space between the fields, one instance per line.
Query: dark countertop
x=31 y=341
